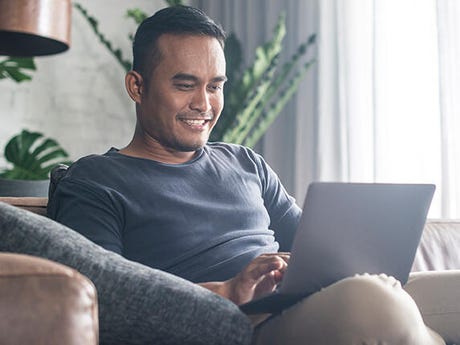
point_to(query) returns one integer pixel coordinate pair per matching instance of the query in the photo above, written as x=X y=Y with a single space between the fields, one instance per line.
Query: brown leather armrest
x=42 y=302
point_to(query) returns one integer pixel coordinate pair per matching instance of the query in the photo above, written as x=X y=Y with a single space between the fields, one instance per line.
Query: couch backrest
x=439 y=248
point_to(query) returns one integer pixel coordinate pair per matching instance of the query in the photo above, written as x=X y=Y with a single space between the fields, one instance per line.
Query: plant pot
x=24 y=188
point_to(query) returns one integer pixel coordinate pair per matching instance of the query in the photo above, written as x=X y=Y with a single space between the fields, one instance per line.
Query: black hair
x=170 y=20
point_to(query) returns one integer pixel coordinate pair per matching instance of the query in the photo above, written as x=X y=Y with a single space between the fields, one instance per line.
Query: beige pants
x=372 y=310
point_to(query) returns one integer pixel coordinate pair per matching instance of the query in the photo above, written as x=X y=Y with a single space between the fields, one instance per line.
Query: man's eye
x=215 y=87
x=184 y=86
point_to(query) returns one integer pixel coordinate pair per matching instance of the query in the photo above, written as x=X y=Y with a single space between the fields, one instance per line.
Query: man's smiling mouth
x=197 y=123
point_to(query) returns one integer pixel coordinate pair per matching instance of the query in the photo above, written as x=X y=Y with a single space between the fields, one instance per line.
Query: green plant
x=13 y=68
x=32 y=156
x=255 y=96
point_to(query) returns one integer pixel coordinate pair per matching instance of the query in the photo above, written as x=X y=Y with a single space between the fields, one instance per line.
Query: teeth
x=195 y=122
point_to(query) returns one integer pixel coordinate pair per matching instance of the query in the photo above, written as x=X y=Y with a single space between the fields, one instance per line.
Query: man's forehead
x=185 y=41
x=191 y=55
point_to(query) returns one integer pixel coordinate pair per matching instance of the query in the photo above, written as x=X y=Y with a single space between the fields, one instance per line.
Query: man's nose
x=200 y=101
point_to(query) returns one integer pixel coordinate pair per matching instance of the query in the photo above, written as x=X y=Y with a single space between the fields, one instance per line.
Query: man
x=213 y=213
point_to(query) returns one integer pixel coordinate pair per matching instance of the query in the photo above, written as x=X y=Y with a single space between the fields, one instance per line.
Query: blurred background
x=379 y=101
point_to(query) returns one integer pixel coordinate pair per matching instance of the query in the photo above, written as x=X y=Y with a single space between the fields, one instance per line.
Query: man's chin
x=189 y=147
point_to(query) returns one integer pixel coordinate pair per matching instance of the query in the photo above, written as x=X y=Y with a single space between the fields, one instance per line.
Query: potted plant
x=31 y=157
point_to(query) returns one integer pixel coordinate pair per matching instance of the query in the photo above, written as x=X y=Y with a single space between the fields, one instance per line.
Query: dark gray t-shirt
x=203 y=220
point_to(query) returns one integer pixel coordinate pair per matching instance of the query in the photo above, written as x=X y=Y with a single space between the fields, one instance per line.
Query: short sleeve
x=89 y=210
x=282 y=208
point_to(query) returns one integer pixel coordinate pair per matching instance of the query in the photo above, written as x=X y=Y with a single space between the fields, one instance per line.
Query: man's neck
x=156 y=152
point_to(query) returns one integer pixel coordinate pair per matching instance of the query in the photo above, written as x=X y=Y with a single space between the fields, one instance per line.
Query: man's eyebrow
x=191 y=77
x=219 y=79
x=184 y=76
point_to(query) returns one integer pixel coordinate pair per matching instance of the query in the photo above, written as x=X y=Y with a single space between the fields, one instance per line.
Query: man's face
x=184 y=96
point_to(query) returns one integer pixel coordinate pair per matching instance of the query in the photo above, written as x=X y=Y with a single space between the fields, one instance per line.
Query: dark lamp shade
x=34 y=27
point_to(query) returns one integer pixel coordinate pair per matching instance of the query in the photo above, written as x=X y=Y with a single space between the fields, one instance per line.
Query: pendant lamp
x=34 y=27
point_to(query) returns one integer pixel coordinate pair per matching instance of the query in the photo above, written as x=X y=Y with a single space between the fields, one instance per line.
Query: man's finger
x=260 y=269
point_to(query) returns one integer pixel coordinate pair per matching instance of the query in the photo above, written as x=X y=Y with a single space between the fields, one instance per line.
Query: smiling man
x=213 y=213
x=203 y=211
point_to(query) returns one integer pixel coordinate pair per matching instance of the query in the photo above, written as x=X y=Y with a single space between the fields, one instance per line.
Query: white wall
x=78 y=97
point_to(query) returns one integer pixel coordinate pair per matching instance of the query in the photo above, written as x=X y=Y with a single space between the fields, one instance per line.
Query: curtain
x=448 y=12
x=388 y=95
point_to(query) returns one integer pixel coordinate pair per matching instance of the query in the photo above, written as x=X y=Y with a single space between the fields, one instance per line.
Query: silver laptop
x=347 y=229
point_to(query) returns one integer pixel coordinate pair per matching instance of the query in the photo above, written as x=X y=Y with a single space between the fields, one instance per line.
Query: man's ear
x=134 y=84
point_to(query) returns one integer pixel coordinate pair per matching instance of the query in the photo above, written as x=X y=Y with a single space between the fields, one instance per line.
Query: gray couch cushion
x=439 y=247
x=137 y=304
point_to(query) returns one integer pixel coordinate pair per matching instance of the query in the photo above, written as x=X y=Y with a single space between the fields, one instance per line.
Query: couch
x=192 y=315
x=137 y=304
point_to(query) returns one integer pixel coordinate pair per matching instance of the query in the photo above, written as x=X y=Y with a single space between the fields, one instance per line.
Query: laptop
x=348 y=229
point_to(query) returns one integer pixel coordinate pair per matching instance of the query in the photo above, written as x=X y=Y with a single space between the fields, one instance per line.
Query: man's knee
x=365 y=309
x=378 y=299
x=376 y=308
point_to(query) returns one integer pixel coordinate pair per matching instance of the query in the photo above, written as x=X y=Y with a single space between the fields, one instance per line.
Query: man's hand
x=258 y=278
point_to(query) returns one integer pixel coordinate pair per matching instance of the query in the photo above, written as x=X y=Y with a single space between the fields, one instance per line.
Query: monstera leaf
x=33 y=156
x=15 y=68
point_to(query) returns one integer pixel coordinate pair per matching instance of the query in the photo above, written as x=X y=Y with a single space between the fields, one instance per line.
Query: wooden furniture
x=33 y=204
